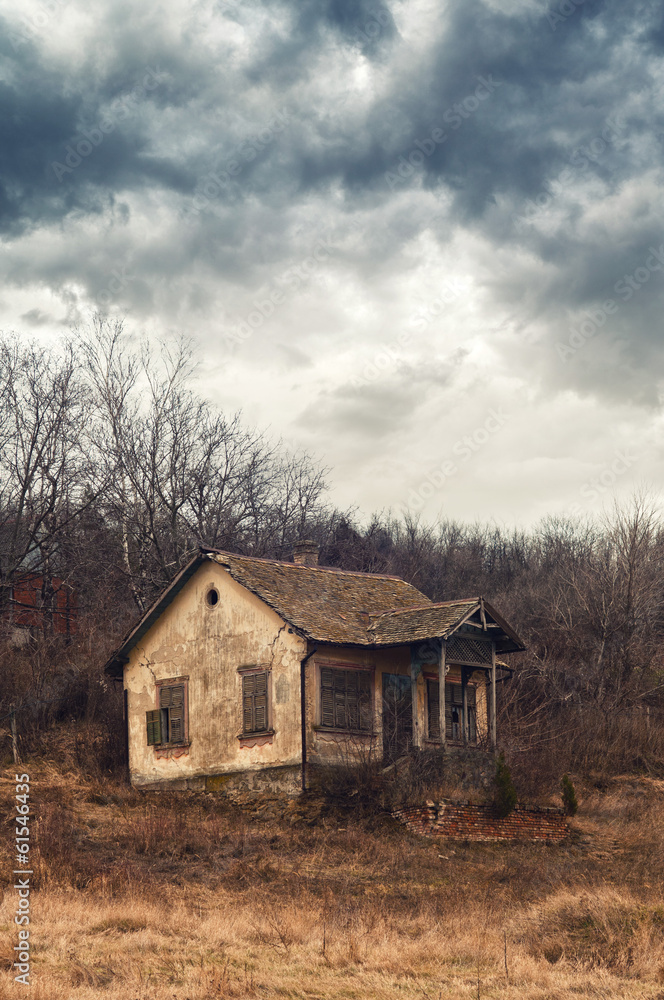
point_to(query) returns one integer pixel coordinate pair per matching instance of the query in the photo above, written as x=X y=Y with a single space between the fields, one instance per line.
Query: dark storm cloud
x=486 y=118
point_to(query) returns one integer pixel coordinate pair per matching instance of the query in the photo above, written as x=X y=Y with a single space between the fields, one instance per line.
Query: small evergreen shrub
x=570 y=805
x=505 y=797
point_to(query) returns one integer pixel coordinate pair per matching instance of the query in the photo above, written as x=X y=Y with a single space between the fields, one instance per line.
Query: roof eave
x=519 y=645
x=114 y=666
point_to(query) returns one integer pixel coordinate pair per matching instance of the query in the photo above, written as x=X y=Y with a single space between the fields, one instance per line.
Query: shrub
x=505 y=797
x=570 y=804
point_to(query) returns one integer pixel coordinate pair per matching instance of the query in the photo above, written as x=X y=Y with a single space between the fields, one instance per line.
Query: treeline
x=113 y=470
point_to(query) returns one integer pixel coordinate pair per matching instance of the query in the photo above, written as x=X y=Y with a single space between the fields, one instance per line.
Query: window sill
x=344 y=732
x=171 y=750
x=256 y=739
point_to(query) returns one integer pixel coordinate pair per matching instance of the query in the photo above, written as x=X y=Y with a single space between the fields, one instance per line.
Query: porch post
x=441 y=692
x=415 y=670
x=493 y=696
x=464 y=709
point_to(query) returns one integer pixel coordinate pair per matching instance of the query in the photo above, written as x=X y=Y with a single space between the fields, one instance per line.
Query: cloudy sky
x=423 y=240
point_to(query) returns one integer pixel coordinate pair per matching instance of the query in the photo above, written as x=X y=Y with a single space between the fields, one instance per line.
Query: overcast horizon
x=422 y=241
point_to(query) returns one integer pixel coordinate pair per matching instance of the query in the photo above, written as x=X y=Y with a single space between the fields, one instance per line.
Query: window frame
x=259 y=736
x=472 y=712
x=253 y=677
x=163 y=712
x=356 y=670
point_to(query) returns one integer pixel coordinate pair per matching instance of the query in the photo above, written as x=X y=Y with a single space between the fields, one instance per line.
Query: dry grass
x=176 y=897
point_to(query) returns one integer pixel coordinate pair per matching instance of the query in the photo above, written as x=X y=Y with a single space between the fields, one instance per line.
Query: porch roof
x=438 y=621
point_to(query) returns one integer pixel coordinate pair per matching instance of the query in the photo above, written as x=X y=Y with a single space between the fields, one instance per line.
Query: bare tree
x=181 y=473
x=45 y=471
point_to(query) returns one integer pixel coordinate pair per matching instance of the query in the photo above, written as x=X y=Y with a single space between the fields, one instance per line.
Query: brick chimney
x=305 y=553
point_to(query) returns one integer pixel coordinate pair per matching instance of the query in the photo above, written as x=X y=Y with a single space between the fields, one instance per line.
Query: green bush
x=505 y=797
x=570 y=805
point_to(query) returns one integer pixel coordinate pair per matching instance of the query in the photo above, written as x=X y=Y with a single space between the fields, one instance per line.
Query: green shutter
x=153 y=723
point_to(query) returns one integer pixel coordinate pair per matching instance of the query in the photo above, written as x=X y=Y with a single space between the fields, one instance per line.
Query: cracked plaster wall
x=207 y=645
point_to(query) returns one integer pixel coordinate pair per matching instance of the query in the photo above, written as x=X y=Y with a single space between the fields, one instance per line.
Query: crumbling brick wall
x=471 y=821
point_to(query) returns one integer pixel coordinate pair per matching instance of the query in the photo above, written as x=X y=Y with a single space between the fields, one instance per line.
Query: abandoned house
x=43 y=604
x=249 y=670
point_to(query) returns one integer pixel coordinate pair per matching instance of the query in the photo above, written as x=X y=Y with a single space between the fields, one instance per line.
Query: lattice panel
x=460 y=650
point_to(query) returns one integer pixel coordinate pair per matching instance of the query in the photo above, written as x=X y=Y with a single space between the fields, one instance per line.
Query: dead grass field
x=181 y=897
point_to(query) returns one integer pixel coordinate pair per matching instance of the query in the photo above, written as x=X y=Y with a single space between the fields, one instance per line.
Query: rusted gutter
x=303 y=713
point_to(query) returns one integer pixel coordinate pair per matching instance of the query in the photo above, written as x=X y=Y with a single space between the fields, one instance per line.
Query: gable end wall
x=207 y=645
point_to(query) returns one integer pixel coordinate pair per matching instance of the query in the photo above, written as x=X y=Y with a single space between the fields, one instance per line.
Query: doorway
x=397 y=716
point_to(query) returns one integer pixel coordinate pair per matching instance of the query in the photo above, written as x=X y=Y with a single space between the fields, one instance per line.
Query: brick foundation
x=469 y=821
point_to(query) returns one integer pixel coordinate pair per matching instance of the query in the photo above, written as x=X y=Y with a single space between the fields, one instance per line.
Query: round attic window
x=212 y=597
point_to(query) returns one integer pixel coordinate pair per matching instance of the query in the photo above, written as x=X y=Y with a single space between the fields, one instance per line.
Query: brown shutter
x=352 y=700
x=326 y=698
x=433 y=710
x=248 y=689
x=153 y=723
x=176 y=715
x=165 y=696
x=364 y=681
x=260 y=703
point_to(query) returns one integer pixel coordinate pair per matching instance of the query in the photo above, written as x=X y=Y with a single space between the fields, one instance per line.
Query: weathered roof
x=327 y=605
x=421 y=623
x=440 y=620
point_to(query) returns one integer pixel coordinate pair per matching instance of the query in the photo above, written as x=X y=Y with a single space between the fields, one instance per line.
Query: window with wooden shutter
x=345 y=699
x=153 y=721
x=166 y=725
x=254 y=703
x=433 y=710
x=327 y=698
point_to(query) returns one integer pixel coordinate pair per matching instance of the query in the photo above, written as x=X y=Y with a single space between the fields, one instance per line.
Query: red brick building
x=31 y=607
